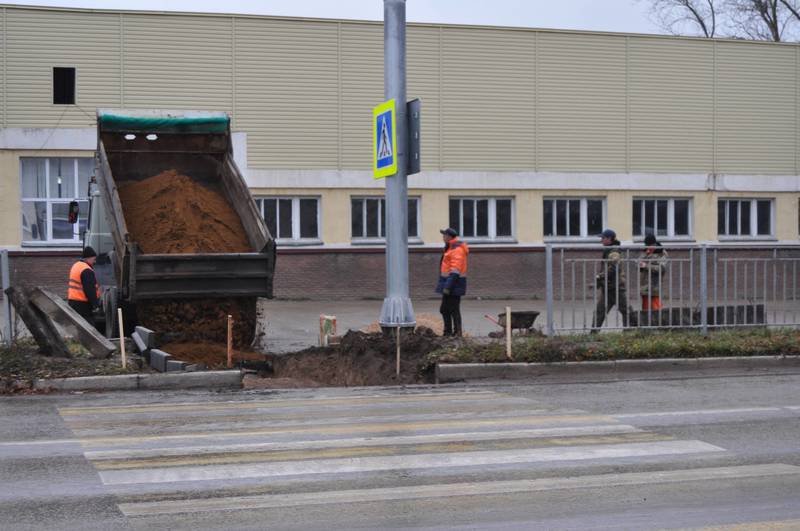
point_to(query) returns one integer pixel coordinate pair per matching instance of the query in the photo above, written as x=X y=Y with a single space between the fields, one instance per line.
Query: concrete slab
x=123 y=382
x=176 y=366
x=57 y=309
x=461 y=372
x=147 y=335
x=189 y=380
x=139 y=343
x=158 y=359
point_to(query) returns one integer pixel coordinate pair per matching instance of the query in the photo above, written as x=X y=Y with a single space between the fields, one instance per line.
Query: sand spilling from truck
x=201 y=319
x=171 y=213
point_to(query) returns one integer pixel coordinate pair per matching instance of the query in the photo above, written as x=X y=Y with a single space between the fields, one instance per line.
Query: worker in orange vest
x=83 y=293
x=452 y=280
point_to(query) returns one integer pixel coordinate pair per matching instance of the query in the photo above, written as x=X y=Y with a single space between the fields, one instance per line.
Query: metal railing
x=697 y=287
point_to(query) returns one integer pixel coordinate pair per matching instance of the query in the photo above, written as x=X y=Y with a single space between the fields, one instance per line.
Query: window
x=490 y=218
x=573 y=217
x=48 y=187
x=291 y=219
x=747 y=218
x=667 y=218
x=63 y=86
x=368 y=218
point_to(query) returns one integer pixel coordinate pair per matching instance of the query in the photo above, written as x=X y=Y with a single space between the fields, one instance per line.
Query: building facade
x=529 y=136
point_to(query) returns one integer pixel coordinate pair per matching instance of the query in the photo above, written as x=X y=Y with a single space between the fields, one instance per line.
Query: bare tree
x=765 y=20
x=682 y=17
x=792 y=7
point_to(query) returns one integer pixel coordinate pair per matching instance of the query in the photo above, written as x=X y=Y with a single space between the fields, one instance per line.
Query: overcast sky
x=598 y=15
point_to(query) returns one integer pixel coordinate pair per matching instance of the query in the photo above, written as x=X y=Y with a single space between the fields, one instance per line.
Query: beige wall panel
x=362 y=89
x=528 y=204
x=287 y=92
x=671 y=105
x=756 y=108
x=177 y=62
x=786 y=217
x=487 y=99
x=39 y=40
x=422 y=48
x=10 y=205
x=3 y=64
x=581 y=114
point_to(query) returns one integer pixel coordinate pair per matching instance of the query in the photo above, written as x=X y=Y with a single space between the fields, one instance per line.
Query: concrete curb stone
x=131 y=382
x=459 y=372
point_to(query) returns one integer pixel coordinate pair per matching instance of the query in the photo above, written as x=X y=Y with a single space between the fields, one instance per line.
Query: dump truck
x=135 y=145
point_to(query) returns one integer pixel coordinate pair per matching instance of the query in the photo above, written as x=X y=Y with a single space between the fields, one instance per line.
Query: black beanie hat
x=649 y=239
x=88 y=252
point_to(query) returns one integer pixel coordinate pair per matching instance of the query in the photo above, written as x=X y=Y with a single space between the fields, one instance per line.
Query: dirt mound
x=201 y=319
x=212 y=355
x=363 y=359
x=171 y=213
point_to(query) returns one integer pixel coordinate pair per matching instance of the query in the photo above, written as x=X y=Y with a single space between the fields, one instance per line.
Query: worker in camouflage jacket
x=610 y=284
x=652 y=266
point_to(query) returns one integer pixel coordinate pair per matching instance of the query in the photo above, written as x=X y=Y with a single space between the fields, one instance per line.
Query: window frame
x=584 y=217
x=491 y=222
x=77 y=240
x=671 y=236
x=375 y=240
x=753 y=234
x=296 y=239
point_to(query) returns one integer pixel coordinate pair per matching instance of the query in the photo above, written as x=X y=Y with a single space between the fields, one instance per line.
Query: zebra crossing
x=287 y=451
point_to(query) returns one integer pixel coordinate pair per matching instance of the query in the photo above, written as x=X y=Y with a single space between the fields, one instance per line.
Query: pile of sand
x=171 y=213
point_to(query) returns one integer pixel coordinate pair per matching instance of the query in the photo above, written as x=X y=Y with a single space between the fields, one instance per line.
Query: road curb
x=132 y=382
x=461 y=372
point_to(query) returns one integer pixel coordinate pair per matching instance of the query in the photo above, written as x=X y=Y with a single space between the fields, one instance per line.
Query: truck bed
x=202 y=150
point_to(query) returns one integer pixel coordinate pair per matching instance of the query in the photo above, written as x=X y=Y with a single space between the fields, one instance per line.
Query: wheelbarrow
x=521 y=321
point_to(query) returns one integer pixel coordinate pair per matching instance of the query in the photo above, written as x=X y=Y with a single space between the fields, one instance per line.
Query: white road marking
x=403 y=462
x=698 y=412
x=35 y=443
x=365 y=441
x=276 y=501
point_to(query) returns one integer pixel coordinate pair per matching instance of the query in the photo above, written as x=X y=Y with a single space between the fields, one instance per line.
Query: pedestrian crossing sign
x=384 y=140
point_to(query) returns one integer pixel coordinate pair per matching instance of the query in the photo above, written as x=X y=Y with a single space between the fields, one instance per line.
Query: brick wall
x=361 y=273
x=48 y=269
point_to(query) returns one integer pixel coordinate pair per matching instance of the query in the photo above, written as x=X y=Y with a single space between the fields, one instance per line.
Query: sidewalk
x=294 y=325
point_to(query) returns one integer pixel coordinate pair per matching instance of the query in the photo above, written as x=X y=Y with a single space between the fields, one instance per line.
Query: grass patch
x=628 y=345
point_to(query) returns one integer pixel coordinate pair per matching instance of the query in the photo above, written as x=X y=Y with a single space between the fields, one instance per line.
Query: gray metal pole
x=548 y=258
x=6 y=280
x=397 y=310
x=704 y=288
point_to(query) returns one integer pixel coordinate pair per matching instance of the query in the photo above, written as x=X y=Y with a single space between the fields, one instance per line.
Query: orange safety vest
x=75 y=286
x=455 y=259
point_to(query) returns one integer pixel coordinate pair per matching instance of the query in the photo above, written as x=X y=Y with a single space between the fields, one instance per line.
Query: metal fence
x=701 y=287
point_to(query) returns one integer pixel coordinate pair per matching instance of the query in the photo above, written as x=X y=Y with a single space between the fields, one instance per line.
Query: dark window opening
x=63 y=86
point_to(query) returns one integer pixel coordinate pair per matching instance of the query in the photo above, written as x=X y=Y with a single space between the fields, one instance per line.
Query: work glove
x=446 y=291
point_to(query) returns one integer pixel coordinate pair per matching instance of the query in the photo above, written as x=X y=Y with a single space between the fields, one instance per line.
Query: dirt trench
x=360 y=359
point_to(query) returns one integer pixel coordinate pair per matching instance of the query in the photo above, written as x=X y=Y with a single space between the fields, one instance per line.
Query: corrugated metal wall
x=493 y=99
x=37 y=41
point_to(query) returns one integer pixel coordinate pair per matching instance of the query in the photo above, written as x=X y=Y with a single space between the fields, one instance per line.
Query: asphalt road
x=708 y=453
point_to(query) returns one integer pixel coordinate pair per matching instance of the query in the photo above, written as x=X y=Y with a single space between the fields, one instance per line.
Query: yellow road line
x=365 y=451
x=395 y=427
